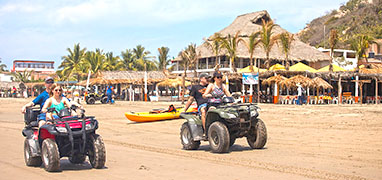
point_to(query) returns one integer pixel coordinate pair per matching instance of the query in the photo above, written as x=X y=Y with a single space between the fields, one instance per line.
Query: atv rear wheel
x=77 y=159
x=97 y=152
x=257 y=136
x=104 y=100
x=29 y=160
x=91 y=100
x=50 y=155
x=218 y=136
x=186 y=138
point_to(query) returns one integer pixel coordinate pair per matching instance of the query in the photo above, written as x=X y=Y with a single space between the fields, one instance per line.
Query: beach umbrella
x=301 y=67
x=304 y=81
x=277 y=67
x=335 y=69
x=320 y=83
x=247 y=70
x=274 y=79
x=173 y=82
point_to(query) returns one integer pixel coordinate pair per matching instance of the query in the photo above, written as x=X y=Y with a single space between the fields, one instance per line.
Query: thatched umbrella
x=278 y=79
x=304 y=81
x=320 y=83
x=173 y=83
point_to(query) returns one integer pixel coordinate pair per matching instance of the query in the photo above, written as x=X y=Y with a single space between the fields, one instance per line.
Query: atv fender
x=34 y=147
x=195 y=125
x=216 y=115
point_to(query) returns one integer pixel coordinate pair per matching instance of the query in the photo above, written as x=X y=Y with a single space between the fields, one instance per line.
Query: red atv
x=67 y=136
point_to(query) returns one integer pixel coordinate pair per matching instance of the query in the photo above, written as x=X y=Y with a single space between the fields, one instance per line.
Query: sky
x=44 y=29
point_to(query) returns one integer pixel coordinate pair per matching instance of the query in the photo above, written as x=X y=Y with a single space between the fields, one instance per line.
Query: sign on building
x=249 y=78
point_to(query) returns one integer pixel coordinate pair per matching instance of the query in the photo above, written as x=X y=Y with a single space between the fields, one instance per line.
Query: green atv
x=224 y=124
x=91 y=98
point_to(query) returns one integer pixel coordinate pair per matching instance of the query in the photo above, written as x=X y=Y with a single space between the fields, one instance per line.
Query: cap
x=204 y=75
x=218 y=74
x=49 y=79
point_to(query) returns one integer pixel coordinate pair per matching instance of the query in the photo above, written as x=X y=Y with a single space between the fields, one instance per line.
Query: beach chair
x=335 y=100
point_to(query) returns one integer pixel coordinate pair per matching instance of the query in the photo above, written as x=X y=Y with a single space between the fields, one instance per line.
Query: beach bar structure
x=247 y=24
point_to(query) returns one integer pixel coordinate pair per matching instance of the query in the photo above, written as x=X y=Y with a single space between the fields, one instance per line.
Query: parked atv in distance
x=91 y=98
x=223 y=125
x=68 y=136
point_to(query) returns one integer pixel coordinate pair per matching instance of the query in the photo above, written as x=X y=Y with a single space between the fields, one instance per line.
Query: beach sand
x=304 y=142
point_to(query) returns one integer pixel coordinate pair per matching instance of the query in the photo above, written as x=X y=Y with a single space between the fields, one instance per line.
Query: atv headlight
x=61 y=129
x=88 y=126
x=253 y=113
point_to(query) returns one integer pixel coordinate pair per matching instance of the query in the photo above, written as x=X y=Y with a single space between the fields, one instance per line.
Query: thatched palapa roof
x=133 y=76
x=250 y=23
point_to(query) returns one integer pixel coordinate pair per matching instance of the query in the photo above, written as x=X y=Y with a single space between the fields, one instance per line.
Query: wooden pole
x=376 y=91
x=360 y=90
x=339 y=90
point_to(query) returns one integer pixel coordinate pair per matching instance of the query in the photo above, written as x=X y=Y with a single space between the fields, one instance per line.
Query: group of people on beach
x=206 y=91
x=52 y=97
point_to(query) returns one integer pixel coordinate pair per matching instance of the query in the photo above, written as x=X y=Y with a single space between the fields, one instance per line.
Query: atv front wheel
x=29 y=160
x=97 y=152
x=91 y=100
x=218 y=136
x=257 y=136
x=77 y=158
x=186 y=138
x=50 y=155
x=104 y=100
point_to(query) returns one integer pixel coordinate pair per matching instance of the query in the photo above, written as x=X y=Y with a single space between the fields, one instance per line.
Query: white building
x=6 y=77
x=347 y=55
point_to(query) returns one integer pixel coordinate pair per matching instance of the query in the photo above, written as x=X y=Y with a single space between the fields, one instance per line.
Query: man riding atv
x=196 y=93
x=40 y=99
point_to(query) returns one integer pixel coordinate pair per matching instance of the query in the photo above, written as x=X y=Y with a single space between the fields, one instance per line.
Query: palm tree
x=142 y=57
x=128 y=59
x=286 y=43
x=333 y=40
x=187 y=56
x=24 y=76
x=94 y=61
x=163 y=58
x=2 y=66
x=214 y=44
x=360 y=45
x=230 y=44
x=72 y=63
x=267 y=40
x=253 y=41
x=112 y=63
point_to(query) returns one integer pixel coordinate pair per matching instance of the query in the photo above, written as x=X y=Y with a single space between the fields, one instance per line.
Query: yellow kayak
x=156 y=115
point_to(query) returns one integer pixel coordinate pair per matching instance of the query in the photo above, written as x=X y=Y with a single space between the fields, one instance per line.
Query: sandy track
x=309 y=142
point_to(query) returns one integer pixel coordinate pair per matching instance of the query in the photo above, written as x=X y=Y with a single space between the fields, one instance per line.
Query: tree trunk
x=184 y=82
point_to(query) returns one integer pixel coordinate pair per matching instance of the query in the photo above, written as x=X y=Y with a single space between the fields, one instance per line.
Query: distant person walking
x=109 y=94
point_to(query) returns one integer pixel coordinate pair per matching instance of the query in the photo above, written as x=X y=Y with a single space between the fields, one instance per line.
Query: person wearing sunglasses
x=56 y=101
x=216 y=90
x=40 y=99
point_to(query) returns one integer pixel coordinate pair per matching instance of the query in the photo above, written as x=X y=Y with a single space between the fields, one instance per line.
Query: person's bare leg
x=42 y=122
x=203 y=109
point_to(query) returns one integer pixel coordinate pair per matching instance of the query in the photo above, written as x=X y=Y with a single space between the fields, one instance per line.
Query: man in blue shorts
x=196 y=94
x=40 y=100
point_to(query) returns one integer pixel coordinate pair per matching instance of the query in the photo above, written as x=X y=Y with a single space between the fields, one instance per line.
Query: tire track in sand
x=221 y=159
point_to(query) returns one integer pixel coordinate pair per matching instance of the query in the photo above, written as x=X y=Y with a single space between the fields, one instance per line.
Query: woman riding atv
x=215 y=91
x=58 y=102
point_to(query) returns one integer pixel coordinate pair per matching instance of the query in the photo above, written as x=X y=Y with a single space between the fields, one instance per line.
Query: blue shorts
x=41 y=117
x=201 y=106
